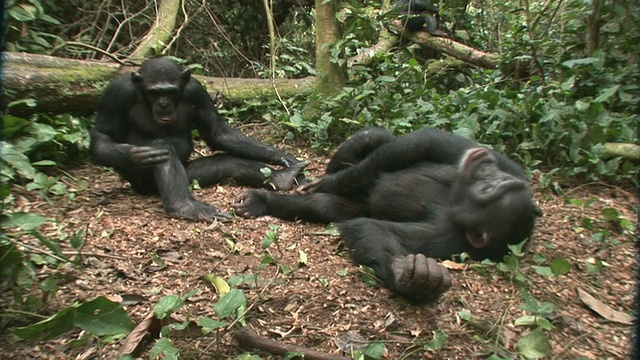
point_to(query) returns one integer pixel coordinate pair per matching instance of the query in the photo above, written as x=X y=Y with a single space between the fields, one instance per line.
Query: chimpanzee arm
x=108 y=136
x=400 y=254
x=219 y=135
x=423 y=145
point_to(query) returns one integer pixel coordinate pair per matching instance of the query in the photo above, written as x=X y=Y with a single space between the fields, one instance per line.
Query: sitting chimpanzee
x=421 y=16
x=143 y=130
x=403 y=201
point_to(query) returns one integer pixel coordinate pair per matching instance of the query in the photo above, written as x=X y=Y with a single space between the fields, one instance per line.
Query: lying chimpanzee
x=402 y=201
x=143 y=130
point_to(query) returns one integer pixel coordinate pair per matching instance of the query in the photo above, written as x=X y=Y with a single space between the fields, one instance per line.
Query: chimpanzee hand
x=420 y=278
x=148 y=155
x=197 y=210
x=319 y=185
x=250 y=204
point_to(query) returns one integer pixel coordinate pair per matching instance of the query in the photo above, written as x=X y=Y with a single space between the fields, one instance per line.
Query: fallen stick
x=249 y=339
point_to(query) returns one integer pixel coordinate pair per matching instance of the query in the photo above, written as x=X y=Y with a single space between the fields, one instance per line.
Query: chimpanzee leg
x=390 y=249
x=358 y=147
x=173 y=185
x=422 y=145
x=323 y=208
x=220 y=167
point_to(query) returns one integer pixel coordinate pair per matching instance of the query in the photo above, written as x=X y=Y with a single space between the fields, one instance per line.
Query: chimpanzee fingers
x=153 y=160
x=309 y=187
x=420 y=278
x=147 y=155
x=439 y=279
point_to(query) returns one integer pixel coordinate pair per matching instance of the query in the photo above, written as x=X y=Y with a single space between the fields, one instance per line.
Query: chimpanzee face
x=163 y=100
x=490 y=204
x=161 y=83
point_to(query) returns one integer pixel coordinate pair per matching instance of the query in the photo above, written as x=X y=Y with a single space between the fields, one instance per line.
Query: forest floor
x=136 y=255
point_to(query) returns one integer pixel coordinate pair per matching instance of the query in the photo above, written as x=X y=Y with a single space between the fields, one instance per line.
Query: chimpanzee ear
x=185 y=77
x=136 y=78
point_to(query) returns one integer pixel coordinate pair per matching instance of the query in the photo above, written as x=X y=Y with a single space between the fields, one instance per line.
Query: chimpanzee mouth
x=166 y=119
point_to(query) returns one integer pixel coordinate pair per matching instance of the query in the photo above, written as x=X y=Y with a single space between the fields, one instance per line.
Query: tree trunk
x=158 y=36
x=63 y=85
x=331 y=77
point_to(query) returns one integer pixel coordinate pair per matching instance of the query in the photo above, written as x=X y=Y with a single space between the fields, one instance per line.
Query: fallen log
x=60 y=85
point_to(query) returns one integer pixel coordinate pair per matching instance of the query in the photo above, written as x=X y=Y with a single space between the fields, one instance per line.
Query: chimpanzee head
x=160 y=82
x=495 y=208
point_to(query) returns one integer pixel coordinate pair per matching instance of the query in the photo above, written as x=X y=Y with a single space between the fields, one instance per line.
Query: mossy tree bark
x=330 y=76
x=61 y=85
x=159 y=35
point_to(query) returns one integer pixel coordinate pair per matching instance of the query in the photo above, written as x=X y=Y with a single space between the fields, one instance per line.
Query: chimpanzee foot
x=197 y=211
x=286 y=179
x=420 y=278
x=250 y=204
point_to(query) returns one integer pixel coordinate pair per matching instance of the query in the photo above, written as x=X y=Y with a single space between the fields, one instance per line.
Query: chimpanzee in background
x=403 y=201
x=143 y=130
x=421 y=16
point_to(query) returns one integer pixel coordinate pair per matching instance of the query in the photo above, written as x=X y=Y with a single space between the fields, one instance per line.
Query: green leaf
x=102 y=316
x=375 y=350
x=266 y=260
x=584 y=61
x=77 y=239
x=439 y=339
x=302 y=260
x=268 y=239
x=168 y=305
x=388 y=79
x=12 y=125
x=25 y=221
x=560 y=266
x=607 y=93
x=527 y=320
x=23 y=12
x=17 y=160
x=534 y=346
x=208 y=324
x=165 y=347
x=610 y=214
x=465 y=315
x=48 y=328
x=222 y=287
x=229 y=302
x=543 y=270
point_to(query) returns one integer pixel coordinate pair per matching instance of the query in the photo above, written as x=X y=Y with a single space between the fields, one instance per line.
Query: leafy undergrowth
x=300 y=287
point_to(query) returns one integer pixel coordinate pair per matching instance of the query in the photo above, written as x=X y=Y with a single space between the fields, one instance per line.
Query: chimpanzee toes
x=420 y=278
x=250 y=204
x=287 y=178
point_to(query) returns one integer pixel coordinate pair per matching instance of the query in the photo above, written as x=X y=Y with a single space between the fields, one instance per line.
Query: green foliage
x=41 y=143
x=100 y=316
x=556 y=117
x=25 y=21
x=24 y=251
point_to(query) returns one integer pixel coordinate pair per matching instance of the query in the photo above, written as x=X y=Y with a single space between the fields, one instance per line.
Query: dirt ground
x=325 y=304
